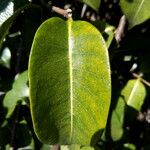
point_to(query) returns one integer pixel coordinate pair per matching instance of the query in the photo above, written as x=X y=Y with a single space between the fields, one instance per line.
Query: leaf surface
x=134 y=94
x=137 y=11
x=69 y=80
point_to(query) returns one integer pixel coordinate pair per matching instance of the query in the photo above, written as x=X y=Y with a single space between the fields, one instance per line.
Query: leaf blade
x=69 y=73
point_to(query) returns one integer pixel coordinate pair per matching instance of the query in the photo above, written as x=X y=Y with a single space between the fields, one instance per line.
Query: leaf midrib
x=139 y=8
x=70 y=42
x=133 y=92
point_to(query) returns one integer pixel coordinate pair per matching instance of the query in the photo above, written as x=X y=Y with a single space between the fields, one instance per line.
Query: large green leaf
x=137 y=11
x=95 y=4
x=69 y=80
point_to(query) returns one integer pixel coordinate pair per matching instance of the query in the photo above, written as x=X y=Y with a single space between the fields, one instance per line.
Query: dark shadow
x=96 y=138
x=3 y=111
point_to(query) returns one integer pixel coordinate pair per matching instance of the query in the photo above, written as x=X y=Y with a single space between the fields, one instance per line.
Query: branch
x=120 y=31
x=65 y=12
x=143 y=80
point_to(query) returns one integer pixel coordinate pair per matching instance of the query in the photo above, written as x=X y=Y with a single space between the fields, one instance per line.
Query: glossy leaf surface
x=137 y=11
x=69 y=80
x=95 y=4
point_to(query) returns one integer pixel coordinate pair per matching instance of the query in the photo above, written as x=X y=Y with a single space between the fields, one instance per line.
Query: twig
x=83 y=10
x=14 y=147
x=120 y=31
x=143 y=80
x=66 y=13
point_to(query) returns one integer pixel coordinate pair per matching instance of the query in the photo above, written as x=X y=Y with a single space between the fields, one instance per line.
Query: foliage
x=128 y=121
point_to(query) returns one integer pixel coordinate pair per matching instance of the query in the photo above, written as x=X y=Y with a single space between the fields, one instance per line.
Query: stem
x=83 y=10
x=143 y=80
x=66 y=13
x=120 y=31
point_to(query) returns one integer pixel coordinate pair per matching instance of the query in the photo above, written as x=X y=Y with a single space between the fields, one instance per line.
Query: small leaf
x=69 y=80
x=18 y=92
x=130 y=146
x=134 y=94
x=117 y=120
x=137 y=11
x=95 y=4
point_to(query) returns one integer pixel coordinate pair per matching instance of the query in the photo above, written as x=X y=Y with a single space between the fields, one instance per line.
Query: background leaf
x=137 y=11
x=134 y=94
x=18 y=92
x=95 y=4
x=74 y=93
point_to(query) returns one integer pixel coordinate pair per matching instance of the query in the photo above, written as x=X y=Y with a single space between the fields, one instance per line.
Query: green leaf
x=130 y=146
x=18 y=92
x=69 y=80
x=134 y=94
x=95 y=4
x=117 y=120
x=136 y=11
